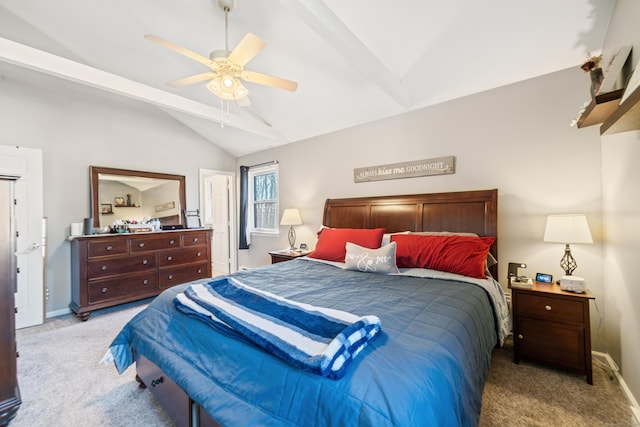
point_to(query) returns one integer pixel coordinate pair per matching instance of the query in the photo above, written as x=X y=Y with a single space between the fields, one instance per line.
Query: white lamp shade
x=291 y=217
x=568 y=228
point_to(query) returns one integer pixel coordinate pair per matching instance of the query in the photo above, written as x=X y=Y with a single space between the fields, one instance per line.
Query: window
x=263 y=199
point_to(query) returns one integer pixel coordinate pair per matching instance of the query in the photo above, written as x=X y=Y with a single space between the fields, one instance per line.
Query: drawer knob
x=103 y=267
x=145 y=261
x=199 y=270
x=103 y=290
x=171 y=242
x=520 y=336
x=141 y=245
x=169 y=258
x=170 y=276
x=547 y=307
x=199 y=253
x=195 y=239
x=109 y=248
x=156 y=382
x=145 y=282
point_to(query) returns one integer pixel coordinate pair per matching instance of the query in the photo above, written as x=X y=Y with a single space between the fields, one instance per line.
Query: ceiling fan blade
x=192 y=79
x=265 y=79
x=248 y=47
x=179 y=49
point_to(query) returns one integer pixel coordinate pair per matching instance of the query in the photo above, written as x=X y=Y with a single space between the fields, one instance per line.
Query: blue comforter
x=426 y=368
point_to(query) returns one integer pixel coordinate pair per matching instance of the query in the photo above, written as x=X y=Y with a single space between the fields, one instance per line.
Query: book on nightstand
x=521 y=282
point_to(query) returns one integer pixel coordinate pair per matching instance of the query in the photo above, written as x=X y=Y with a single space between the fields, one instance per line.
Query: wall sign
x=428 y=167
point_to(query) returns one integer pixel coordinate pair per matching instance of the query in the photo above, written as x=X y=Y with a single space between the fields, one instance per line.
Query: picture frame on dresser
x=106 y=208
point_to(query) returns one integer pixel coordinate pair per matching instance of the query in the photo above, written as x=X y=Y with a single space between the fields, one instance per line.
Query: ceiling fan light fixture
x=226 y=87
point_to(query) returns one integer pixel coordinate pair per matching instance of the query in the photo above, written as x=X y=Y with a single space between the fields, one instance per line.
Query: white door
x=217 y=208
x=26 y=163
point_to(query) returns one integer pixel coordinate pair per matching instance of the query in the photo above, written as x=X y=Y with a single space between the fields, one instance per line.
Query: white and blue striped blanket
x=320 y=340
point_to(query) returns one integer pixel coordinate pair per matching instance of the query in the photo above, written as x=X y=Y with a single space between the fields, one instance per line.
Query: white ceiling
x=356 y=61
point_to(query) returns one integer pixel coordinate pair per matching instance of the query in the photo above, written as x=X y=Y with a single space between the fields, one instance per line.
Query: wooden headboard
x=464 y=211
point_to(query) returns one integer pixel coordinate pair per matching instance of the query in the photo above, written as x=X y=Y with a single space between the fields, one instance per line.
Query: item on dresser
x=573 y=284
x=108 y=270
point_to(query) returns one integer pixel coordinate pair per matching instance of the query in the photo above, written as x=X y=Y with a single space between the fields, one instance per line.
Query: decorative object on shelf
x=617 y=72
x=128 y=199
x=567 y=229
x=119 y=201
x=106 y=208
x=632 y=84
x=291 y=217
x=592 y=66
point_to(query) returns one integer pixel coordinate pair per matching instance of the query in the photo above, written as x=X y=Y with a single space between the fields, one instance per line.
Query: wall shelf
x=625 y=118
x=600 y=108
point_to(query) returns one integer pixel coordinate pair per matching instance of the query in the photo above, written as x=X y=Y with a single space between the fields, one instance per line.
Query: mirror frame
x=95 y=171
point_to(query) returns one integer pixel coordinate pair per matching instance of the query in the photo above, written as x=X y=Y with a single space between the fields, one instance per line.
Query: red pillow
x=464 y=255
x=331 y=245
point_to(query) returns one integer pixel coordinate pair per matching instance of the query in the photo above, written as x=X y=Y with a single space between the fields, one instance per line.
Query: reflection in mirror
x=128 y=195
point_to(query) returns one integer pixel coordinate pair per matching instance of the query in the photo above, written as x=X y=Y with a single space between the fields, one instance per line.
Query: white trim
x=57 y=313
x=633 y=403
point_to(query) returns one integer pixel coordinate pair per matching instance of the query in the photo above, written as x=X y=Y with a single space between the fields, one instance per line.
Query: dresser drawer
x=116 y=288
x=141 y=244
x=106 y=248
x=550 y=308
x=119 y=265
x=182 y=256
x=194 y=239
x=168 y=277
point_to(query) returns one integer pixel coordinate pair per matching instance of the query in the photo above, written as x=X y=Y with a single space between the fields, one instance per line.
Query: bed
x=427 y=366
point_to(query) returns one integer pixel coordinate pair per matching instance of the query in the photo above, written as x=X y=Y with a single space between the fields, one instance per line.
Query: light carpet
x=62 y=383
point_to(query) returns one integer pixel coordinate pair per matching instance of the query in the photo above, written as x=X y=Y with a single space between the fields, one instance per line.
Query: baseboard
x=57 y=313
x=635 y=408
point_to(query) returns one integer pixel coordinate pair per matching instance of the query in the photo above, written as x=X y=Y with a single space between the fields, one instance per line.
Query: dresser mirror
x=122 y=194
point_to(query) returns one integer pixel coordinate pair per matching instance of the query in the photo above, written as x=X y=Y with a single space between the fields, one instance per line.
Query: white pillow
x=381 y=260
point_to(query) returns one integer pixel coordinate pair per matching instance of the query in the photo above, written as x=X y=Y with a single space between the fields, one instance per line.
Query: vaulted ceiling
x=355 y=61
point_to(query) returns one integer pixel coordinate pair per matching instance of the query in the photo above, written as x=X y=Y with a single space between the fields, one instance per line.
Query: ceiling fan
x=227 y=67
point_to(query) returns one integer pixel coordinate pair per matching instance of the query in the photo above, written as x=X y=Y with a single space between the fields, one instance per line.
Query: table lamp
x=567 y=229
x=291 y=217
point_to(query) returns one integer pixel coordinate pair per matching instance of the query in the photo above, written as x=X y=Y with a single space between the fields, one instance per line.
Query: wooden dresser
x=9 y=392
x=116 y=268
x=552 y=326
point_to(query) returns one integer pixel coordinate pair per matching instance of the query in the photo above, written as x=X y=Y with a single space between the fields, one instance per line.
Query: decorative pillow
x=381 y=260
x=466 y=255
x=491 y=260
x=386 y=237
x=331 y=245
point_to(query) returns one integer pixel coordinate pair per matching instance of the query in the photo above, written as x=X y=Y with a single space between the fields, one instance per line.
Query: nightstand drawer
x=550 y=308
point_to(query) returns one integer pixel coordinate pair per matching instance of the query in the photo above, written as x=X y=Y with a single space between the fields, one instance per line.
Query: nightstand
x=286 y=255
x=552 y=326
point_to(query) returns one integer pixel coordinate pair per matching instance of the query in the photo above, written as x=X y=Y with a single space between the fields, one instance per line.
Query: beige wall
x=516 y=139
x=621 y=213
x=76 y=127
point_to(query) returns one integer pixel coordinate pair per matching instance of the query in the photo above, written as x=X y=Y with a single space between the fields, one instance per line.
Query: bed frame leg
x=141 y=384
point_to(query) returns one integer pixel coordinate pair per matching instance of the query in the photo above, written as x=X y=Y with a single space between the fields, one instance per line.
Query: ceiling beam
x=34 y=59
x=321 y=19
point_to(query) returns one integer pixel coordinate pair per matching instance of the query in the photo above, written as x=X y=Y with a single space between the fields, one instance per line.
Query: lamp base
x=292 y=238
x=568 y=263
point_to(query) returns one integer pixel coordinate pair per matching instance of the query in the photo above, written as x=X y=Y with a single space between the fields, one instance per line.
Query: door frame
x=233 y=245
